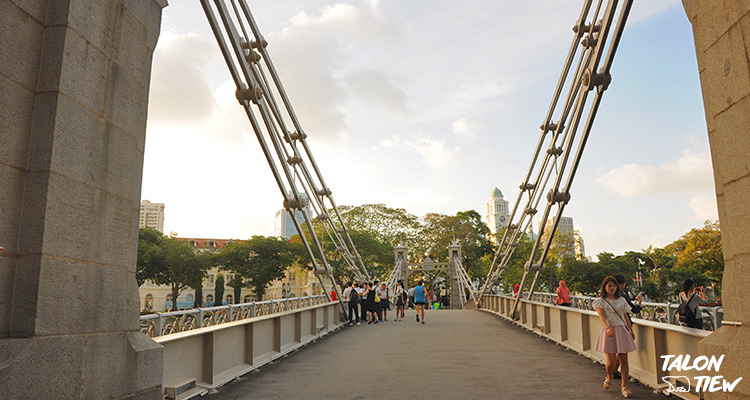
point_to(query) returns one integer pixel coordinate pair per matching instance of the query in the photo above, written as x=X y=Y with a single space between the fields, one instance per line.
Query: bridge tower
x=457 y=294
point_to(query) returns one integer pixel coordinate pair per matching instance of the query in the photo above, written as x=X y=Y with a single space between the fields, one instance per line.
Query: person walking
x=443 y=297
x=385 y=302
x=360 y=287
x=692 y=297
x=372 y=312
x=563 y=295
x=616 y=338
x=419 y=300
x=400 y=300
x=351 y=295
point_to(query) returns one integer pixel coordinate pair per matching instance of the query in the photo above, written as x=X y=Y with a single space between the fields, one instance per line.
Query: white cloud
x=374 y=88
x=463 y=127
x=180 y=93
x=704 y=207
x=692 y=172
x=435 y=153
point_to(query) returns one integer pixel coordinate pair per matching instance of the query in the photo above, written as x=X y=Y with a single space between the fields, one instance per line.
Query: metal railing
x=167 y=323
x=657 y=312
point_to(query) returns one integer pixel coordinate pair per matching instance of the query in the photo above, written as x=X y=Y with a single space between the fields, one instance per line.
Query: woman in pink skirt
x=616 y=338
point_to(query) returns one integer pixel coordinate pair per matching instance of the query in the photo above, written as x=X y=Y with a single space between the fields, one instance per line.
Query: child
x=616 y=338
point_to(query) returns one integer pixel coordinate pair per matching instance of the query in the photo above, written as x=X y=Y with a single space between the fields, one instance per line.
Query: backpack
x=353 y=295
x=687 y=315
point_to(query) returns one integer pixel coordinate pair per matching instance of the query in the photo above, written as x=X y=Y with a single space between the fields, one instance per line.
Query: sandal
x=606 y=384
x=626 y=392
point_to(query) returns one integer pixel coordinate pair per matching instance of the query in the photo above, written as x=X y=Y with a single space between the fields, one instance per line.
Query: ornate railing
x=160 y=324
x=656 y=312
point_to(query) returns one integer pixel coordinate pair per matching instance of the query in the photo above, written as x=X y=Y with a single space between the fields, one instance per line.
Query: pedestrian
x=352 y=296
x=419 y=300
x=385 y=303
x=334 y=296
x=516 y=288
x=400 y=300
x=443 y=297
x=362 y=301
x=616 y=338
x=691 y=298
x=563 y=295
x=369 y=294
x=411 y=297
x=634 y=308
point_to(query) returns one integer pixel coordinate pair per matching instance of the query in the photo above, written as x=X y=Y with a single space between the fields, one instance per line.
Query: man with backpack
x=690 y=299
x=351 y=294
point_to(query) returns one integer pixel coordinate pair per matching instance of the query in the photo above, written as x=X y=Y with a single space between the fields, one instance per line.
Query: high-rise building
x=283 y=224
x=498 y=214
x=566 y=227
x=152 y=215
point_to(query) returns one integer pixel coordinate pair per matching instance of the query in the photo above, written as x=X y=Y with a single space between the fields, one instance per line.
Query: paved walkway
x=455 y=355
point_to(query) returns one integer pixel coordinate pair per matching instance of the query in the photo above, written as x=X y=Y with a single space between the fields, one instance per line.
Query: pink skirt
x=620 y=343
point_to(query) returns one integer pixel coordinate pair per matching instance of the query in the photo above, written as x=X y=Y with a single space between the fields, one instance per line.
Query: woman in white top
x=616 y=337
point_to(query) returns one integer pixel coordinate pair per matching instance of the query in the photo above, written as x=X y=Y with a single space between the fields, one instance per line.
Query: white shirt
x=348 y=293
x=696 y=301
x=609 y=306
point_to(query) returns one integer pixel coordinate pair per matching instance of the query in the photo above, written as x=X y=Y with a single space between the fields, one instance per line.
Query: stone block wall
x=721 y=31
x=74 y=79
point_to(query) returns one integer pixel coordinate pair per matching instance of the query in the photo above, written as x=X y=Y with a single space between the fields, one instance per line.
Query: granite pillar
x=74 y=82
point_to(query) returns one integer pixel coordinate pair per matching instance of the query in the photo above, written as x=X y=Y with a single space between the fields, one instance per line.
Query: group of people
x=616 y=338
x=371 y=301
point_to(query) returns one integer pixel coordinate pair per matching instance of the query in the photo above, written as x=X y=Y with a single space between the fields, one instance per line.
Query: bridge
x=75 y=84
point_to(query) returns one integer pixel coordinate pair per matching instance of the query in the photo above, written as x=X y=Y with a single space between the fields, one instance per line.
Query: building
x=566 y=227
x=283 y=224
x=152 y=215
x=297 y=282
x=498 y=214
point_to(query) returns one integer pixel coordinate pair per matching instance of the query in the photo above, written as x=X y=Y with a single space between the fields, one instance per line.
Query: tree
x=465 y=229
x=219 y=290
x=393 y=226
x=700 y=255
x=170 y=261
x=149 y=242
x=236 y=284
x=259 y=261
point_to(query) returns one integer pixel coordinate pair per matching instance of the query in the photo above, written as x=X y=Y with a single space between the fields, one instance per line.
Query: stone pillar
x=74 y=81
x=456 y=289
x=722 y=42
x=400 y=252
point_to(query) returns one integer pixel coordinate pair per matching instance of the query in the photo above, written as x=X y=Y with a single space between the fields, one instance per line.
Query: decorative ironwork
x=160 y=324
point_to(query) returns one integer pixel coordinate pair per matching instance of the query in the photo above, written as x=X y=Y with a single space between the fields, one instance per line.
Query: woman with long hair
x=400 y=300
x=616 y=338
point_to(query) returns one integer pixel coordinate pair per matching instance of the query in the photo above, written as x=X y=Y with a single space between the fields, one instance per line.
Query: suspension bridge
x=488 y=346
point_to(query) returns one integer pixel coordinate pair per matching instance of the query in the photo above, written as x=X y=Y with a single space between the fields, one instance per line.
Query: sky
x=428 y=105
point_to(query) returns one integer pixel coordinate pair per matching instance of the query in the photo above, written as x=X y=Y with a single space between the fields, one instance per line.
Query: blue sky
x=428 y=106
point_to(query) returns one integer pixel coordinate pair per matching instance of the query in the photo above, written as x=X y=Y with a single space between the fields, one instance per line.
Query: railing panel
x=217 y=354
x=578 y=329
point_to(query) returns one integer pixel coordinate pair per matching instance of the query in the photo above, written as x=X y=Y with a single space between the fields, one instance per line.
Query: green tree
x=259 y=261
x=465 y=229
x=149 y=243
x=393 y=226
x=219 y=290
x=236 y=284
x=700 y=255
x=170 y=261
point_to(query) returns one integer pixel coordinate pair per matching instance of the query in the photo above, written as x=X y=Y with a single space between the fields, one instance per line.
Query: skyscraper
x=283 y=224
x=152 y=215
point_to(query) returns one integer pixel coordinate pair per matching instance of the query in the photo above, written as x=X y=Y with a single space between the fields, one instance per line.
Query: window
x=230 y=299
x=190 y=299
x=248 y=299
x=210 y=299
x=211 y=278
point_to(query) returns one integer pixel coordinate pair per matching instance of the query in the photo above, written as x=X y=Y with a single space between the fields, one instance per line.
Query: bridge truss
x=281 y=137
x=565 y=129
x=461 y=288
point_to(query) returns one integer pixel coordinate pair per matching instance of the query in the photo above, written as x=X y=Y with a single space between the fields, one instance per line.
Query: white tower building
x=283 y=224
x=498 y=213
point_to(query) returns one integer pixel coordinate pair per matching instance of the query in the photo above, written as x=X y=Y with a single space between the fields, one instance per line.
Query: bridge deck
x=455 y=355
